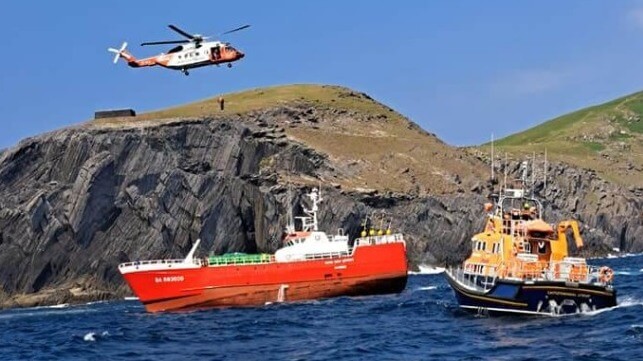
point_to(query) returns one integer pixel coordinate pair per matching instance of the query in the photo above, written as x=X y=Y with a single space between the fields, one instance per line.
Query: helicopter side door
x=215 y=53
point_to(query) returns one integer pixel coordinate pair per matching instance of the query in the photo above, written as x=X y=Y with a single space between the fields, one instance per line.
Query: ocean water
x=422 y=323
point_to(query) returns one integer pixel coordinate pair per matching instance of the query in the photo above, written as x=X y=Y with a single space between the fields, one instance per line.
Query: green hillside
x=607 y=138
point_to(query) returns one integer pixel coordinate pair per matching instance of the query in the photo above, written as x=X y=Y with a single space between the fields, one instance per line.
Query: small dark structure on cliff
x=113 y=113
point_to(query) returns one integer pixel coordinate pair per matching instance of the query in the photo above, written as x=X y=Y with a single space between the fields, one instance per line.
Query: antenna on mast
x=492 y=167
x=545 y=175
x=505 y=182
x=533 y=174
x=290 y=227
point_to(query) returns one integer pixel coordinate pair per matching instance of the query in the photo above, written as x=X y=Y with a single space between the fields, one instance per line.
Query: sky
x=460 y=69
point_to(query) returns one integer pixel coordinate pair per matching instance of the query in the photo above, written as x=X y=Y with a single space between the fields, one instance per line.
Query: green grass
x=557 y=127
x=261 y=98
x=635 y=125
x=594 y=146
x=614 y=128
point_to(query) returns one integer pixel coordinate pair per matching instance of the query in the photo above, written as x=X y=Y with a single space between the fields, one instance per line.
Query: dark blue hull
x=537 y=297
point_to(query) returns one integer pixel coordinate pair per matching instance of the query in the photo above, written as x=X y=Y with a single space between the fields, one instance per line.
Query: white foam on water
x=427 y=270
x=623 y=273
x=130 y=298
x=624 y=255
x=92 y=336
x=62 y=305
x=426 y=288
x=626 y=302
x=95 y=302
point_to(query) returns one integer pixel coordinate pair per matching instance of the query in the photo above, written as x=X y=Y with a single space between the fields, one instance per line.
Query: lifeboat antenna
x=505 y=182
x=492 y=167
x=523 y=175
x=545 y=173
x=533 y=174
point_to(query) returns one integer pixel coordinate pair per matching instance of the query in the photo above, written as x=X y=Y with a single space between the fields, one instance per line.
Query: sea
x=422 y=323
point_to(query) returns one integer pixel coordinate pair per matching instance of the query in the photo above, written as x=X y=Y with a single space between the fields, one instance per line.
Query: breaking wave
x=92 y=336
x=426 y=288
x=618 y=255
x=427 y=270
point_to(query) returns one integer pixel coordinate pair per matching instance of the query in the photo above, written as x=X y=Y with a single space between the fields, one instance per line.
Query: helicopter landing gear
x=229 y=65
x=185 y=71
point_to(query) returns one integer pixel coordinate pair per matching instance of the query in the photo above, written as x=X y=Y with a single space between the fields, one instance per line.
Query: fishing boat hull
x=373 y=269
x=533 y=297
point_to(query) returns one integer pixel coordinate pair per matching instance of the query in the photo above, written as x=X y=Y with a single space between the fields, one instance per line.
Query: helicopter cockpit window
x=175 y=49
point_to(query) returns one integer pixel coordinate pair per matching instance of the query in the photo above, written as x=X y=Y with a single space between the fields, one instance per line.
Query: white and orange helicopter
x=194 y=53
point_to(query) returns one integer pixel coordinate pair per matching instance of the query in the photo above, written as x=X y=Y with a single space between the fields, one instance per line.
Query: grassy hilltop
x=386 y=151
x=374 y=146
x=607 y=138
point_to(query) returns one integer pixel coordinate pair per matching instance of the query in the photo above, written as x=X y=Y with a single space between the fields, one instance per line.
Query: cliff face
x=77 y=202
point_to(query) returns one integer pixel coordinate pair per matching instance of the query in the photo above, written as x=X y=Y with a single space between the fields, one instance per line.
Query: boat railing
x=239 y=259
x=159 y=262
x=472 y=281
x=381 y=239
x=568 y=270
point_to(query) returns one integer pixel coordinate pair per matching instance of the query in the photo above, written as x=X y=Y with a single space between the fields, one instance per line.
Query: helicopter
x=194 y=52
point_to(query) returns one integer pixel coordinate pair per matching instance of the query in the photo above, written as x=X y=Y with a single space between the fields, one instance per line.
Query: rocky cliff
x=76 y=202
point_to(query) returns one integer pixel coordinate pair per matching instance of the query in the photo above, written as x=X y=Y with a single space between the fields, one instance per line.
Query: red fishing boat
x=310 y=265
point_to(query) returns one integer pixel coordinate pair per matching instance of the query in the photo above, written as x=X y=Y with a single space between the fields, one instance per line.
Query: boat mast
x=312 y=213
x=523 y=175
x=290 y=227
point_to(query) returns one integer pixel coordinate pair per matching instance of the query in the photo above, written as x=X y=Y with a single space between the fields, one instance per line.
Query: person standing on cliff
x=221 y=103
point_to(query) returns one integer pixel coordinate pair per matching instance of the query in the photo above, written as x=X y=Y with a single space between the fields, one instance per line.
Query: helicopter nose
x=240 y=54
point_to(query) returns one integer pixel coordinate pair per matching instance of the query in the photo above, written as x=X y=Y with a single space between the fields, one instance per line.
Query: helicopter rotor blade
x=237 y=29
x=165 y=42
x=187 y=35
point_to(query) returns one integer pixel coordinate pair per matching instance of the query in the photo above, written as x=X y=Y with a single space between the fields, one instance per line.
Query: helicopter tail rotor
x=119 y=52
